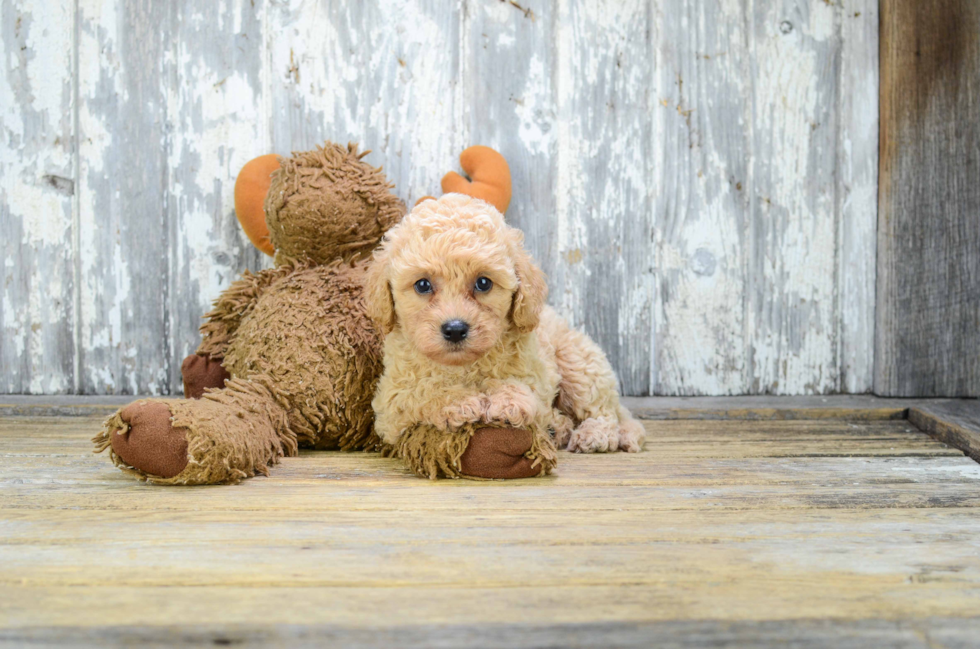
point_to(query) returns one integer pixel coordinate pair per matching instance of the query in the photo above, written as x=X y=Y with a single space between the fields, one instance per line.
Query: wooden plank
x=842 y=407
x=186 y=608
x=324 y=499
x=702 y=140
x=60 y=406
x=857 y=194
x=764 y=413
x=335 y=542
x=383 y=75
x=914 y=633
x=58 y=454
x=673 y=446
x=928 y=289
x=956 y=424
x=603 y=199
x=748 y=530
x=763 y=249
x=685 y=432
x=507 y=95
x=629 y=129
x=791 y=190
x=216 y=112
x=72 y=431
x=867 y=471
x=37 y=188
x=697 y=449
x=125 y=58
x=346 y=553
x=763 y=407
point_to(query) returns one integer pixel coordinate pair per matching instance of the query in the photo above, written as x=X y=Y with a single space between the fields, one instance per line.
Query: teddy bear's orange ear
x=251 y=186
x=489 y=177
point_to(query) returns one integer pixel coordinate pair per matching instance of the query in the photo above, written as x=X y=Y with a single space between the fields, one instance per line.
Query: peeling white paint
x=534 y=131
x=673 y=167
x=858 y=165
x=36 y=186
x=792 y=335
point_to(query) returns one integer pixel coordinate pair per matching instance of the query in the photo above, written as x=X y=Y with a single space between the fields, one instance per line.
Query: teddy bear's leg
x=476 y=451
x=201 y=371
x=227 y=435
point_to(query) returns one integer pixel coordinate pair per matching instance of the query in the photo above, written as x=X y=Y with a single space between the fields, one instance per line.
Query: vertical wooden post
x=928 y=285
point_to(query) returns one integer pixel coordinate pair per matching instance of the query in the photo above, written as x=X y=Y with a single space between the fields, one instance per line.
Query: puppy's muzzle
x=455 y=331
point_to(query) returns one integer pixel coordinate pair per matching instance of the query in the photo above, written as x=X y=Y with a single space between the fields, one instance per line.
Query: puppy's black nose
x=455 y=330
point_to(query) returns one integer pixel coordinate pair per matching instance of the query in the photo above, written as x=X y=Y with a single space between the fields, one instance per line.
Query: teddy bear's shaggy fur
x=518 y=364
x=292 y=346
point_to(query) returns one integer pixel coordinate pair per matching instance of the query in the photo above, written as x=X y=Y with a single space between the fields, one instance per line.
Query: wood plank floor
x=850 y=533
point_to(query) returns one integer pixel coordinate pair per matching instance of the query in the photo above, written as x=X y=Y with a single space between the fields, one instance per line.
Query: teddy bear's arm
x=231 y=306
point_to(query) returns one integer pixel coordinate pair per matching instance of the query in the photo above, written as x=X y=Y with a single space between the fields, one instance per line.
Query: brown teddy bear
x=289 y=357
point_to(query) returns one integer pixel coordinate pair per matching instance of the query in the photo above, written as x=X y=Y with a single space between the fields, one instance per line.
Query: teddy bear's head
x=327 y=204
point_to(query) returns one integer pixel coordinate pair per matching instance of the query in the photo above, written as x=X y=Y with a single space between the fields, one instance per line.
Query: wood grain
x=693 y=539
x=928 y=282
x=696 y=177
x=790 y=296
x=123 y=220
x=702 y=134
x=954 y=423
x=916 y=633
x=857 y=194
x=762 y=245
x=842 y=407
x=37 y=190
x=380 y=74
x=605 y=284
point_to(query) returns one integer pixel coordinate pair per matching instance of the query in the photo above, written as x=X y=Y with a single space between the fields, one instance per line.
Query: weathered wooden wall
x=698 y=177
x=928 y=289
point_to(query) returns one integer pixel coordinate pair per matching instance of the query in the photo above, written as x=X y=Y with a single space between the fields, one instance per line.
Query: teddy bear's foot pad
x=498 y=453
x=200 y=372
x=152 y=445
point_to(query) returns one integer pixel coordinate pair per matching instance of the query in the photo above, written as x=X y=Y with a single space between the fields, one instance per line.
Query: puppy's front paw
x=467 y=411
x=595 y=435
x=631 y=436
x=514 y=405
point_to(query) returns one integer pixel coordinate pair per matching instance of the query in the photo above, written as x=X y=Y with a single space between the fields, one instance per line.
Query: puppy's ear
x=377 y=293
x=532 y=291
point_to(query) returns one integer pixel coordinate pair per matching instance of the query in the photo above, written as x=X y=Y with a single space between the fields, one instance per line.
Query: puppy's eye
x=423 y=286
x=483 y=284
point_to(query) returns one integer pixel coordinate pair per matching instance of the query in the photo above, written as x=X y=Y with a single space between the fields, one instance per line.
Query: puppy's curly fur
x=518 y=364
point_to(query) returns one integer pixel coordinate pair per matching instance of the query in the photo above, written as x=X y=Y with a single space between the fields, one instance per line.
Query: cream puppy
x=469 y=338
